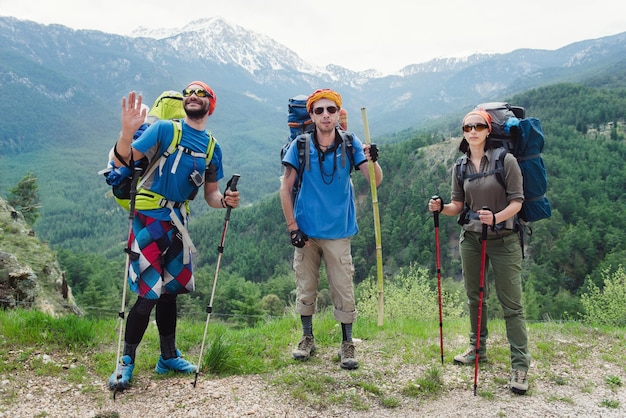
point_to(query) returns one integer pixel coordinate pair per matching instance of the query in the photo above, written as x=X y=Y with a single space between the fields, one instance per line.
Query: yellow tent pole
x=379 y=246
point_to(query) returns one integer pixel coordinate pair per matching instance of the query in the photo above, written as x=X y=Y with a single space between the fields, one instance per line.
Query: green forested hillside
x=585 y=153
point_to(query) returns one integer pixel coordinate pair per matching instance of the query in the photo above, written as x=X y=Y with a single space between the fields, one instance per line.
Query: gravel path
x=557 y=391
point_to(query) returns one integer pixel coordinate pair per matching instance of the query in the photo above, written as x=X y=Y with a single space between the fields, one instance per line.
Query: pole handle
x=485 y=226
x=436 y=213
x=232 y=183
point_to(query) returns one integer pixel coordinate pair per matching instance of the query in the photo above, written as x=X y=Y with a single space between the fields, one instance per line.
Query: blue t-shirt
x=324 y=207
x=177 y=186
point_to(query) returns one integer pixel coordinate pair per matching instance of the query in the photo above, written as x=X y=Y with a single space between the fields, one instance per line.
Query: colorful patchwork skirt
x=156 y=259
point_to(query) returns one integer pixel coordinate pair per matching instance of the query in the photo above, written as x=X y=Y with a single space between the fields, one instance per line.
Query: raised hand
x=133 y=115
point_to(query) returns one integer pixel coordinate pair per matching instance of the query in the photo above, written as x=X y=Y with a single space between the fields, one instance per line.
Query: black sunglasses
x=330 y=109
x=198 y=92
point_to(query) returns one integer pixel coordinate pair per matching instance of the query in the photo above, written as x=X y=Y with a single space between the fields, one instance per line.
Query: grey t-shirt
x=487 y=191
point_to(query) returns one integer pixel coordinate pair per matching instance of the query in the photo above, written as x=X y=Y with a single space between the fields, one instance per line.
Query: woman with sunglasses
x=481 y=189
x=322 y=219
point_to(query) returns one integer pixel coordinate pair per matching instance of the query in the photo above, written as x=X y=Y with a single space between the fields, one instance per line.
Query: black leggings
x=139 y=317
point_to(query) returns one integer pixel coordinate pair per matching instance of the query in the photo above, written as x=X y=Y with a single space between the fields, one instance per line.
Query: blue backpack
x=523 y=137
x=298 y=118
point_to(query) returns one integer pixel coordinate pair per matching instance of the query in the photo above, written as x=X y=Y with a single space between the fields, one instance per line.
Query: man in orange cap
x=322 y=219
x=160 y=265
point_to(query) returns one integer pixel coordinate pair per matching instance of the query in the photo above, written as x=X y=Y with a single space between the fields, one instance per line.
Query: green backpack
x=169 y=105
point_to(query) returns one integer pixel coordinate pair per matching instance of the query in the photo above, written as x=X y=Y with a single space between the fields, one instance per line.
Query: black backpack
x=523 y=137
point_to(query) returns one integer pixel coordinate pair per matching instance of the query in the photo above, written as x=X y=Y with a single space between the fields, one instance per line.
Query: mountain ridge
x=80 y=77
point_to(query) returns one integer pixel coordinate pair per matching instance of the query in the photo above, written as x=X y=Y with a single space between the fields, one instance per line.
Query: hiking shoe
x=519 y=382
x=120 y=379
x=306 y=347
x=468 y=357
x=175 y=364
x=347 y=356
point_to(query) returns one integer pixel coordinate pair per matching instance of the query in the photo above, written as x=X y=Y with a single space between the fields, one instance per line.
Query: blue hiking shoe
x=175 y=364
x=120 y=379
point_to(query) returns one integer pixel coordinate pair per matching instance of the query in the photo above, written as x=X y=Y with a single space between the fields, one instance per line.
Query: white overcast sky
x=384 y=35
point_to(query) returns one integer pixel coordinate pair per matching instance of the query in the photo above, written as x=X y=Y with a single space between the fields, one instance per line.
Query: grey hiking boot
x=519 y=382
x=347 y=356
x=468 y=357
x=306 y=347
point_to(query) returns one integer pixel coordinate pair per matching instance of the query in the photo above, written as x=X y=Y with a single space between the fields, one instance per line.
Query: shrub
x=407 y=295
x=606 y=306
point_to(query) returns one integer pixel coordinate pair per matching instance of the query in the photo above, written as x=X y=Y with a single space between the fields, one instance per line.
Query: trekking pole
x=379 y=247
x=438 y=258
x=232 y=186
x=483 y=255
x=122 y=313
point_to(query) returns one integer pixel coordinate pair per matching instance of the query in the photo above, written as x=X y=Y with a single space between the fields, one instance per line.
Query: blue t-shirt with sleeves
x=172 y=179
x=324 y=207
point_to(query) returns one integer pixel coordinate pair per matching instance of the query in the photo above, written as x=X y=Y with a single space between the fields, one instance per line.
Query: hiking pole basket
x=122 y=313
x=232 y=186
x=481 y=287
x=438 y=258
x=377 y=233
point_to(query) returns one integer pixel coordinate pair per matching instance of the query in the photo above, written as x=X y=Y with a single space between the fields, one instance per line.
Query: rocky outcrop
x=30 y=276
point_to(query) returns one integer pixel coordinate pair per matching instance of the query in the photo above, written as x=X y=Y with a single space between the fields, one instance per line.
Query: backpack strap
x=303 y=142
x=496 y=166
x=174 y=145
x=148 y=200
x=347 y=139
x=459 y=169
x=178 y=132
x=182 y=228
x=210 y=148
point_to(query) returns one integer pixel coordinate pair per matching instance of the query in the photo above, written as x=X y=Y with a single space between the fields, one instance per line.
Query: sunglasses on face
x=478 y=126
x=329 y=109
x=198 y=92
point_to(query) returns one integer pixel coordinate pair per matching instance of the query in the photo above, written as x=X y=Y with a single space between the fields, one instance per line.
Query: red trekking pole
x=481 y=286
x=438 y=257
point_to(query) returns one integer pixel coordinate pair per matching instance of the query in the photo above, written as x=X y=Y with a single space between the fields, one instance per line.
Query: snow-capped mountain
x=251 y=51
x=78 y=78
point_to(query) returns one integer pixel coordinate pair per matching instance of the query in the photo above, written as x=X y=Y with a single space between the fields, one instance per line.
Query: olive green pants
x=504 y=257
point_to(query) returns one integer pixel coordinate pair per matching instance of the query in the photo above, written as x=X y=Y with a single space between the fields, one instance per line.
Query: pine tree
x=24 y=198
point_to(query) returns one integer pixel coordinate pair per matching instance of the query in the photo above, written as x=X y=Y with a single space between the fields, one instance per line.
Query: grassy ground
x=400 y=361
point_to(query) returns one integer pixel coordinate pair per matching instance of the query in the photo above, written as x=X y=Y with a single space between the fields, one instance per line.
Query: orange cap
x=323 y=94
x=482 y=113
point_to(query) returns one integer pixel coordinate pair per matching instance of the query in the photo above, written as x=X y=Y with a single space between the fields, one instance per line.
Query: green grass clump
x=33 y=327
x=430 y=384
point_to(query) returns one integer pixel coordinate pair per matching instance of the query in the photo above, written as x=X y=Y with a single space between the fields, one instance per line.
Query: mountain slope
x=64 y=88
